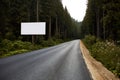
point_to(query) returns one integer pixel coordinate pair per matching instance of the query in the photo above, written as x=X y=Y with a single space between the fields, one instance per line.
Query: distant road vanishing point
x=61 y=62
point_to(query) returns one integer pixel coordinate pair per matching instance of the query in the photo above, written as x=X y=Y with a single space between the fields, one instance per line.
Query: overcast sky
x=76 y=8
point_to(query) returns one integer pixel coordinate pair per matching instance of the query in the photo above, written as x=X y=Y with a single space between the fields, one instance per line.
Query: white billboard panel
x=33 y=28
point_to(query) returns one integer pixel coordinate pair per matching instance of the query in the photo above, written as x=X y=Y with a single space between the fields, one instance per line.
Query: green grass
x=14 y=53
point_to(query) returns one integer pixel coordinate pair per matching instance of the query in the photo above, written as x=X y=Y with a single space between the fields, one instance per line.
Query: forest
x=102 y=19
x=60 y=26
x=59 y=22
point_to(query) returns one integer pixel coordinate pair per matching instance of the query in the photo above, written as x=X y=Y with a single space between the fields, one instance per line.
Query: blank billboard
x=33 y=28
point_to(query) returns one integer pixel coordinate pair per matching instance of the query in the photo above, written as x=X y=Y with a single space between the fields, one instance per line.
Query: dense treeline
x=102 y=19
x=59 y=25
x=59 y=22
x=101 y=32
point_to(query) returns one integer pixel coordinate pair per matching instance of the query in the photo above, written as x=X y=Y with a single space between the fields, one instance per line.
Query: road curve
x=61 y=62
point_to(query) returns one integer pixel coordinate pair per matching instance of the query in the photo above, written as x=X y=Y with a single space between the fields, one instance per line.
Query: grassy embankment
x=106 y=52
x=9 y=48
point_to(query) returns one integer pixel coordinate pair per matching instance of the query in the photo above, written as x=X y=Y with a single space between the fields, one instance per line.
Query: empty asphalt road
x=61 y=62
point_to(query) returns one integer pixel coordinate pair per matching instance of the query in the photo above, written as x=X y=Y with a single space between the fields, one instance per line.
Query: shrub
x=89 y=40
x=5 y=46
x=8 y=47
x=57 y=41
x=47 y=43
x=18 y=45
x=106 y=52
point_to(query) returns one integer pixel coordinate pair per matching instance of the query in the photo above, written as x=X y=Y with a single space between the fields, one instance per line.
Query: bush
x=5 y=46
x=106 y=52
x=89 y=40
x=57 y=41
x=8 y=47
x=24 y=45
x=18 y=45
x=47 y=43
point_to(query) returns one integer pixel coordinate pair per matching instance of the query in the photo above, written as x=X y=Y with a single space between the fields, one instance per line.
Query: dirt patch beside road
x=96 y=69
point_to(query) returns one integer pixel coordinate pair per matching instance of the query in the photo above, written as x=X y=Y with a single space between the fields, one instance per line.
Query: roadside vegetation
x=107 y=52
x=8 y=48
x=100 y=22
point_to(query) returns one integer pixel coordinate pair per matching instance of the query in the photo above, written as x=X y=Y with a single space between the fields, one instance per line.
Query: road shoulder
x=96 y=69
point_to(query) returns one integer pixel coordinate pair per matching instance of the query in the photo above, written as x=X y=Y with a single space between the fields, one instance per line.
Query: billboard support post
x=33 y=28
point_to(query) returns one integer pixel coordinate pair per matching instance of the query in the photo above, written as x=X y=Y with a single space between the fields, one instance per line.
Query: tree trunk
x=49 y=35
x=104 y=35
x=65 y=34
x=33 y=40
x=56 y=31
x=98 y=23
x=104 y=32
x=37 y=17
